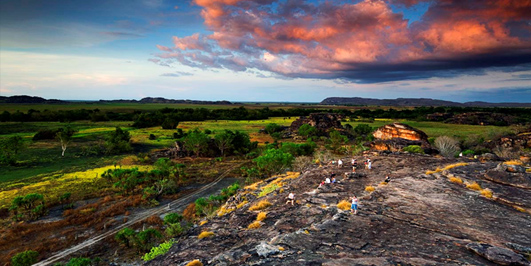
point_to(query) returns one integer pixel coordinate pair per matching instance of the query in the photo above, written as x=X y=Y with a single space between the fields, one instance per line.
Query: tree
x=224 y=141
x=307 y=131
x=272 y=128
x=64 y=135
x=273 y=161
x=337 y=140
x=197 y=142
x=118 y=142
x=9 y=149
x=25 y=258
x=363 y=129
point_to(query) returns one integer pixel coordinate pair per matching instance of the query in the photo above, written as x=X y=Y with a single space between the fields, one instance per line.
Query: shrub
x=468 y=152
x=307 y=130
x=145 y=239
x=456 y=180
x=363 y=129
x=25 y=258
x=414 y=149
x=172 y=218
x=344 y=205
x=255 y=225
x=79 y=262
x=45 y=134
x=173 y=230
x=272 y=128
x=158 y=250
x=487 y=193
x=205 y=234
x=125 y=236
x=369 y=188
x=447 y=146
x=474 y=186
x=260 y=205
x=152 y=137
x=194 y=263
x=268 y=189
x=273 y=161
x=261 y=216
x=189 y=212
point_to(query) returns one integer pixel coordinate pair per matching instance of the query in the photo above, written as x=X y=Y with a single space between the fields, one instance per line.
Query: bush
x=118 y=142
x=25 y=258
x=79 y=262
x=447 y=146
x=363 y=129
x=414 y=149
x=172 y=218
x=158 y=250
x=344 y=205
x=205 y=234
x=174 y=230
x=260 y=205
x=273 y=161
x=125 y=236
x=43 y=134
x=307 y=131
x=152 y=137
x=272 y=128
x=468 y=152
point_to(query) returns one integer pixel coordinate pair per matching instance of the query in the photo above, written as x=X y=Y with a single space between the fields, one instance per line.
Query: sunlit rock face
x=399 y=130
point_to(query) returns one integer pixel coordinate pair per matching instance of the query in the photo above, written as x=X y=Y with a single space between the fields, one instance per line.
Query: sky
x=266 y=50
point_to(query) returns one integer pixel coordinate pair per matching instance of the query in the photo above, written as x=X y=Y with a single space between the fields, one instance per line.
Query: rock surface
x=395 y=137
x=501 y=256
x=321 y=121
x=416 y=219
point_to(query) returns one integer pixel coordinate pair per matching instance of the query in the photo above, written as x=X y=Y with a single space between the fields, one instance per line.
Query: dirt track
x=206 y=190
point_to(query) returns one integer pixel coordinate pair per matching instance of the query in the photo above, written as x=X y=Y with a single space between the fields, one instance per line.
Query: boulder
x=488 y=157
x=501 y=256
x=321 y=121
x=399 y=130
x=502 y=176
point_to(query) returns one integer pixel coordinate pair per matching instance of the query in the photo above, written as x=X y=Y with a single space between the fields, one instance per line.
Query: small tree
x=337 y=140
x=25 y=258
x=272 y=128
x=307 y=131
x=9 y=149
x=64 y=135
x=197 y=142
x=363 y=129
x=273 y=161
x=118 y=142
x=224 y=141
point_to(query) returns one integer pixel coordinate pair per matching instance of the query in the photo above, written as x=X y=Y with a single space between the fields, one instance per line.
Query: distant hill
x=27 y=99
x=164 y=100
x=413 y=102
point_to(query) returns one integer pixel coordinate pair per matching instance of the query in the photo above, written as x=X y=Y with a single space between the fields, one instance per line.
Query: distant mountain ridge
x=40 y=100
x=413 y=102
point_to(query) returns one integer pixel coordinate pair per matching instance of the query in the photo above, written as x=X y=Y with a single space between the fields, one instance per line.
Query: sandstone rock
x=399 y=130
x=321 y=121
x=501 y=176
x=488 y=157
x=498 y=255
x=265 y=250
x=519 y=248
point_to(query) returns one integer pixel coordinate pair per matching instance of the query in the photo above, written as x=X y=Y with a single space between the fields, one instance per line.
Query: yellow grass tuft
x=255 y=225
x=241 y=204
x=203 y=222
x=195 y=263
x=261 y=216
x=323 y=206
x=260 y=205
x=223 y=211
x=383 y=183
x=454 y=165
x=253 y=186
x=456 y=180
x=369 y=188
x=528 y=170
x=281 y=248
x=306 y=232
x=344 y=205
x=513 y=162
x=520 y=209
x=487 y=193
x=205 y=234
x=473 y=186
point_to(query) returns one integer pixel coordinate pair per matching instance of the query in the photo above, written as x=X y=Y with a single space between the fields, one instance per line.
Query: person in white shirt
x=339 y=163
x=291 y=197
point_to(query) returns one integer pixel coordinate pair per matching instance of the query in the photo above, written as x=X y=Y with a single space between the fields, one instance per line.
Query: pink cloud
x=332 y=39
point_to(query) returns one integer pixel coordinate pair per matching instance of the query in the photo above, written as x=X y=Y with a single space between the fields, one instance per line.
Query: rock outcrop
x=413 y=220
x=394 y=137
x=321 y=121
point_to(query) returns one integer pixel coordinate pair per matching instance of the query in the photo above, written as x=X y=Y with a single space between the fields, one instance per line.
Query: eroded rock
x=501 y=256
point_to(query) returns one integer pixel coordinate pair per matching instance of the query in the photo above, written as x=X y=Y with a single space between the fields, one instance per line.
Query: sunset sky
x=266 y=50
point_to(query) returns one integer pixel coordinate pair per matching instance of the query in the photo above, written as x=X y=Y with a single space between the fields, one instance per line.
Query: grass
x=205 y=234
x=194 y=263
x=513 y=162
x=255 y=225
x=456 y=180
x=448 y=167
x=261 y=216
x=473 y=186
x=487 y=193
x=260 y=205
x=344 y=205
x=268 y=189
x=369 y=188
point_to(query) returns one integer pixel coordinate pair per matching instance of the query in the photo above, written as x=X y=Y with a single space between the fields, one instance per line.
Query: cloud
x=177 y=74
x=363 y=42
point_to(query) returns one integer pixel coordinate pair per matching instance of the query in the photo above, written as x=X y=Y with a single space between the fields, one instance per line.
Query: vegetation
x=158 y=250
x=205 y=234
x=369 y=188
x=344 y=205
x=456 y=180
x=273 y=161
x=25 y=258
x=9 y=149
x=194 y=263
x=414 y=149
x=447 y=146
x=255 y=225
x=473 y=186
x=261 y=216
x=263 y=204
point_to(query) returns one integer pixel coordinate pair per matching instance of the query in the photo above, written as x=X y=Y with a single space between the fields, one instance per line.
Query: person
x=354 y=205
x=321 y=184
x=327 y=180
x=333 y=180
x=353 y=162
x=387 y=179
x=291 y=197
x=369 y=163
x=339 y=163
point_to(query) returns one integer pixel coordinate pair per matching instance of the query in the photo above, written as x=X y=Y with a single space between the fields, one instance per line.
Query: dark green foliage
x=125 y=236
x=9 y=149
x=468 y=152
x=118 y=142
x=172 y=218
x=276 y=136
x=414 y=149
x=147 y=238
x=81 y=262
x=196 y=142
x=25 y=258
x=363 y=129
x=45 y=134
x=179 y=134
x=307 y=131
x=224 y=141
x=208 y=131
x=272 y=128
x=30 y=206
x=152 y=137
x=273 y=161
x=173 y=230
x=336 y=141
x=298 y=149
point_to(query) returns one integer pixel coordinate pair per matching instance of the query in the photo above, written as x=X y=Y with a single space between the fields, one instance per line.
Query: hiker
x=339 y=163
x=327 y=180
x=333 y=180
x=387 y=179
x=354 y=205
x=291 y=197
x=369 y=163
x=333 y=162
x=321 y=184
